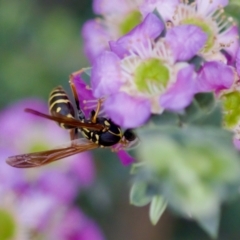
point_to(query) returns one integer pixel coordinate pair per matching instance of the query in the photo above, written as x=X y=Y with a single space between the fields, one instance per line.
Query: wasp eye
x=129 y=135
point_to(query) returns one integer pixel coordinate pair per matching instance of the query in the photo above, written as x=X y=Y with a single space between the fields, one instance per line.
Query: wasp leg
x=74 y=91
x=95 y=113
x=73 y=133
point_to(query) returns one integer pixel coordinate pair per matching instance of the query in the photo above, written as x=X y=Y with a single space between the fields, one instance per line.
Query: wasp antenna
x=32 y=111
x=37 y=113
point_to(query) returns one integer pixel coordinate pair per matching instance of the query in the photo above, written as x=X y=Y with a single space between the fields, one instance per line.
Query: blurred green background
x=40 y=46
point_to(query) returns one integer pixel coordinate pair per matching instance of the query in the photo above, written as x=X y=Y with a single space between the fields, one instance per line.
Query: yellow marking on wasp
x=106 y=123
x=69 y=115
x=57 y=90
x=97 y=142
x=85 y=135
x=58 y=109
x=59 y=101
x=119 y=134
x=57 y=95
x=86 y=130
x=96 y=136
x=91 y=134
x=101 y=146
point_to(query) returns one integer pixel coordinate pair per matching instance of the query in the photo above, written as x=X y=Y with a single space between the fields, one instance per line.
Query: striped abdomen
x=59 y=103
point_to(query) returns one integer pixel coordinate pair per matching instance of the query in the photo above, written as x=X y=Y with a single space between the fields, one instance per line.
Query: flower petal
x=106 y=77
x=58 y=185
x=181 y=93
x=238 y=62
x=10 y=178
x=82 y=167
x=95 y=39
x=125 y=158
x=215 y=76
x=165 y=8
x=85 y=95
x=75 y=225
x=150 y=28
x=205 y=7
x=103 y=7
x=230 y=41
x=186 y=41
x=236 y=143
x=127 y=111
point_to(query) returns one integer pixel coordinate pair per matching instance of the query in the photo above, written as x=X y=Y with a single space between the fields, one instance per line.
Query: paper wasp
x=97 y=131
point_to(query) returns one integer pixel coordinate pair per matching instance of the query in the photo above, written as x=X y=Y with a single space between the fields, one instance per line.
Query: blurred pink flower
x=21 y=132
x=76 y=226
x=35 y=202
x=117 y=18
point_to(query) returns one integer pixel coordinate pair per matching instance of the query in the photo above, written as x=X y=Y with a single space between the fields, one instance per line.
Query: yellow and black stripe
x=59 y=103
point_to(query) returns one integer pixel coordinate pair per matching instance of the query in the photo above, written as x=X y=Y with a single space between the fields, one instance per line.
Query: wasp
x=96 y=131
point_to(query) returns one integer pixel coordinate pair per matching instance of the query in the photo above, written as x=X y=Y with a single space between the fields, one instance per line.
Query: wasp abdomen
x=59 y=103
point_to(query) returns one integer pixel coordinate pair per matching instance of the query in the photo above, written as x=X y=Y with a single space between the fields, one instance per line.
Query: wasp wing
x=38 y=159
x=69 y=121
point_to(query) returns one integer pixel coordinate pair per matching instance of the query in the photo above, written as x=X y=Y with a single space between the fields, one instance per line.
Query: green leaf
x=157 y=207
x=196 y=61
x=192 y=112
x=210 y=224
x=166 y=118
x=136 y=167
x=213 y=118
x=193 y=167
x=205 y=101
x=8 y=225
x=138 y=194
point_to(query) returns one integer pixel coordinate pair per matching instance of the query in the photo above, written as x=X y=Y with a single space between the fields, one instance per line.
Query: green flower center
x=8 y=226
x=205 y=28
x=151 y=75
x=231 y=107
x=130 y=21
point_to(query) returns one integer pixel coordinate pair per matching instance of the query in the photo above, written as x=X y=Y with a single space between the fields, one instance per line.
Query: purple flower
x=111 y=79
x=238 y=62
x=25 y=214
x=39 y=214
x=37 y=210
x=215 y=76
x=125 y=157
x=58 y=185
x=165 y=8
x=75 y=225
x=147 y=72
x=86 y=99
x=236 y=143
x=37 y=201
x=95 y=38
x=149 y=29
x=118 y=18
x=137 y=111
x=209 y=16
x=30 y=133
x=189 y=37
x=11 y=178
x=230 y=97
x=89 y=102
x=83 y=170
x=181 y=93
